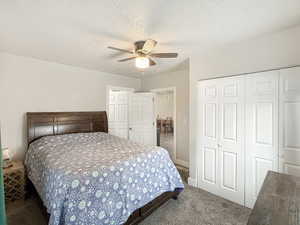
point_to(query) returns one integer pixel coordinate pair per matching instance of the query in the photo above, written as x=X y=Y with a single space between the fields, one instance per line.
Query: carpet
x=193 y=207
x=198 y=207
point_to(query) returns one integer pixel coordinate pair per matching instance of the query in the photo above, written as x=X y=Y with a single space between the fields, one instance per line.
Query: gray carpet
x=197 y=207
x=27 y=213
x=193 y=207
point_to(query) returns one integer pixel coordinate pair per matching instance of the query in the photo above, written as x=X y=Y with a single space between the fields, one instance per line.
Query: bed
x=84 y=175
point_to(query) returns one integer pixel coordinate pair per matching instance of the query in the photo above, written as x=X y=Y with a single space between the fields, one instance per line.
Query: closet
x=221 y=152
x=247 y=125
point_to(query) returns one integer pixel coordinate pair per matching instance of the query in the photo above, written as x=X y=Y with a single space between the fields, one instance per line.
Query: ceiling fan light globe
x=142 y=62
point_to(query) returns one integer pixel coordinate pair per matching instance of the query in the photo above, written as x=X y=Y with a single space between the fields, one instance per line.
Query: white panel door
x=207 y=141
x=221 y=138
x=261 y=133
x=231 y=140
x=142 y=118
x=118 y=113
x=289 y=122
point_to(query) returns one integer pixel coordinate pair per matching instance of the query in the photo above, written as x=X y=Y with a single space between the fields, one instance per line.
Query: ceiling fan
x=142 y=53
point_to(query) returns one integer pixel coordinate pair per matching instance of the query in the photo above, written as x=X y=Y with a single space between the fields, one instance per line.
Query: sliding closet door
x=231 y=140
x=289 y=128
x=261 y=131
x=220 y=141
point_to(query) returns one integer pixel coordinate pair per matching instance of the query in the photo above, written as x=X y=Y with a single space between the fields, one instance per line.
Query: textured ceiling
x=77 y=32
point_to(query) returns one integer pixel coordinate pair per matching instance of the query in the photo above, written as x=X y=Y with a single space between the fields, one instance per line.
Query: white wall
x=180 y=80
x=164 y=104
x=31 y=85
x=267 y=52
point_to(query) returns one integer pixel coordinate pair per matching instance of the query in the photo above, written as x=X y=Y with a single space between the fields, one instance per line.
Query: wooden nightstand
x=14 y=182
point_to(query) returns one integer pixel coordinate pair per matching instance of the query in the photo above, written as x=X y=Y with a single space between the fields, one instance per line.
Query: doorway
x=165 y=113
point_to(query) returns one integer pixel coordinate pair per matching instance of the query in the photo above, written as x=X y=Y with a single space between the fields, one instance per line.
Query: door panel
x=291 y=169
x=210 y=120
x=229 y=173
x=209 y=165
x=141 y=118
x=261 y=168
x=118 y=114
x=261 y=133
x=230 y=89
x=264 y=123
x=220 y=143
x=210 y=91
x=207 y=143
x=229 y=121
x=291 y=125
x=289 y=141
x=231 y=140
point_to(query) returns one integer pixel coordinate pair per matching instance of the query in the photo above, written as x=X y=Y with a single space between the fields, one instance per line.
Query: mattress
x=97 y=178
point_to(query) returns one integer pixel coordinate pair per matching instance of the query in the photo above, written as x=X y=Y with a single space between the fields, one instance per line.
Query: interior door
x=142 y=118
x=261 y=131
x=207 y=141
x=231 y=141
x=221 y=137
x=289 y=121
x=118 y=113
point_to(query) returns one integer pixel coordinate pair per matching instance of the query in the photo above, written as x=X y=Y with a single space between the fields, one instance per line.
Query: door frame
x=119 y=88
x=173 y=89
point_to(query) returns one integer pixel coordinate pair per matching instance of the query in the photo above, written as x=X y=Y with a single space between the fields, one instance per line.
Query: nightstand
x=14 y=182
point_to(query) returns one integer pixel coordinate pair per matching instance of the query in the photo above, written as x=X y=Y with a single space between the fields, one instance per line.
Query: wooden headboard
x=41 y=124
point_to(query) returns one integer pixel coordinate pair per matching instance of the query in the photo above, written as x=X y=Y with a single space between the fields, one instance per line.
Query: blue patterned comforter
x=97 y=178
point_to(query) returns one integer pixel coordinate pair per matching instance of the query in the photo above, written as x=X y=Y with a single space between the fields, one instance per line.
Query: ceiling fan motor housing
x=139 y=46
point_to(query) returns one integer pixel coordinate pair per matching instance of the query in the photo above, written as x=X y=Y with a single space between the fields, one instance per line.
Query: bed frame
x=56 y=123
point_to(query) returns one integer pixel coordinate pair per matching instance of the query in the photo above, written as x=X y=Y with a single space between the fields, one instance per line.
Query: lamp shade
x=142 y=62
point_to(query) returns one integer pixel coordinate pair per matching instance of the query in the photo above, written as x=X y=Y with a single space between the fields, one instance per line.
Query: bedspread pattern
x=97 y=178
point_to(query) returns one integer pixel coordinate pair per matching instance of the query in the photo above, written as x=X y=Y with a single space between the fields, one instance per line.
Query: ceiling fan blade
x=120 y=49
x=164 y=55
x=149 y=46
x=152 y=62
x=127 y=59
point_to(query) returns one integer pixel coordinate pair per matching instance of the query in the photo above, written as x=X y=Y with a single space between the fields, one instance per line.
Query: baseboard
x=182 y=163
x=192 y=182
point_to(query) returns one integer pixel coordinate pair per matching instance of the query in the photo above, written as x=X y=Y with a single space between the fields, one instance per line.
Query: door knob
x=219 y=145
x=130 y=128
